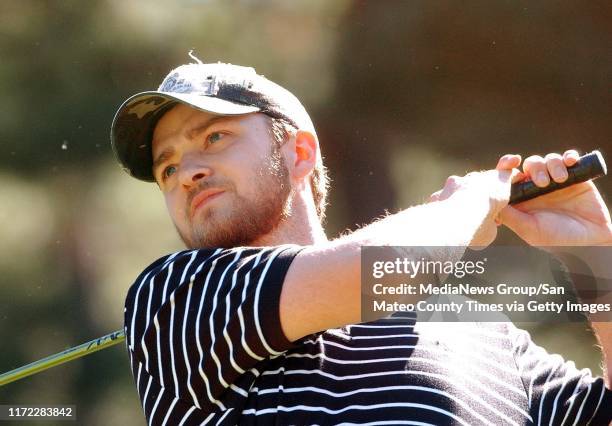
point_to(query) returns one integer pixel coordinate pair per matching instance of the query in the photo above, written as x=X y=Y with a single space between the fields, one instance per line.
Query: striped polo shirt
x=206 y=347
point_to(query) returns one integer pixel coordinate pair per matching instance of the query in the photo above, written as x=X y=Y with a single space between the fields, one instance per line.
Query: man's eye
x=214 y=137
x=168 y=171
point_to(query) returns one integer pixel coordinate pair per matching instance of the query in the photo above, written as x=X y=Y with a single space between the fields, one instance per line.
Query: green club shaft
x=68 y=355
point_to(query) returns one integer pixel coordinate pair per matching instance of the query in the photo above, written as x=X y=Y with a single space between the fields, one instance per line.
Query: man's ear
x=302 y=155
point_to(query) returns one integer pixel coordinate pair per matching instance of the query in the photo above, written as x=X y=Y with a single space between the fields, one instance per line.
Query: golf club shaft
x=62 y=357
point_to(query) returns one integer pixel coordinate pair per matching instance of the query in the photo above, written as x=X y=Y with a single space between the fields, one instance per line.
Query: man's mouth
x=203 y=198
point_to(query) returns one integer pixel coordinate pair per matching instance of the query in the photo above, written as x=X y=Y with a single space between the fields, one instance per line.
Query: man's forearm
x=452 y=222
x=322 y=288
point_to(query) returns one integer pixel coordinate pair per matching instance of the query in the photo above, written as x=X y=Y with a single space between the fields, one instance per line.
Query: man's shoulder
x=183 y=287
x=180 y=265
x=152 y=269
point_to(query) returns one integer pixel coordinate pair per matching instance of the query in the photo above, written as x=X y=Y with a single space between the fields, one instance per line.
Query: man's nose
x=192 y=170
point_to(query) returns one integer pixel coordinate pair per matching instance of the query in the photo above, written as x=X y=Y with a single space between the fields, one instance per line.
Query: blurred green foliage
x=404 y=93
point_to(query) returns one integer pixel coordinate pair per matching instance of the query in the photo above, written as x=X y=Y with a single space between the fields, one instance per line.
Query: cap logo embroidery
x=174 y=84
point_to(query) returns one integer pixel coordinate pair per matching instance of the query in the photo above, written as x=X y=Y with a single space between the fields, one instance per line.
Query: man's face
x=224 y=182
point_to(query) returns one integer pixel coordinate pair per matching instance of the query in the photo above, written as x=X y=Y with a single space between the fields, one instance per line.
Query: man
x=259 y=321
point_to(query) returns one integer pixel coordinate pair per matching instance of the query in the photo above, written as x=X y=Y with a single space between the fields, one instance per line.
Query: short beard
x=249 y=219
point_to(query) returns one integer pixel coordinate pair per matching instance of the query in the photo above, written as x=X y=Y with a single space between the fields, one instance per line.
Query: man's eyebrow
x=191 y=134
x=165 y=155
x=201 y=127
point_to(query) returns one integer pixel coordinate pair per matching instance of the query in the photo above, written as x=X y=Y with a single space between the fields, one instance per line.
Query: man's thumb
x=516 y=176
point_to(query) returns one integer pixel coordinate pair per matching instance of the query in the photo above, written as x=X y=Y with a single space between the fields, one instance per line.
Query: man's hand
x=489 y=190
x=576 y=215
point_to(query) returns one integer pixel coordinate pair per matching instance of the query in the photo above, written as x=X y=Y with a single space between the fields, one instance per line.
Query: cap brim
x=132 y=128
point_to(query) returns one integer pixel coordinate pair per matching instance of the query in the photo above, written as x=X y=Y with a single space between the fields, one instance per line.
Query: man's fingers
x=556 y=167
x=535 y=167
x=508 y=161
x=516 y=176
x=570 y=157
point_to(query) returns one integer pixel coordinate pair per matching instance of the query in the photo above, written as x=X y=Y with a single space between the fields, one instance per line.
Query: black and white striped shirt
x=206 y=347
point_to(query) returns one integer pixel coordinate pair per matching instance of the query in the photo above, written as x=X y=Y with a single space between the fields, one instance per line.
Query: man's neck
x=302 y=227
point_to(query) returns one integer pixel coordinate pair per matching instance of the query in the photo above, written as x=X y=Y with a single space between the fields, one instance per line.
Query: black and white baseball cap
x=219 y=89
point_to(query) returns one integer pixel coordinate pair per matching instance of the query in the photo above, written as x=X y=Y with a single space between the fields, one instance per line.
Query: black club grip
x=589 y=166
